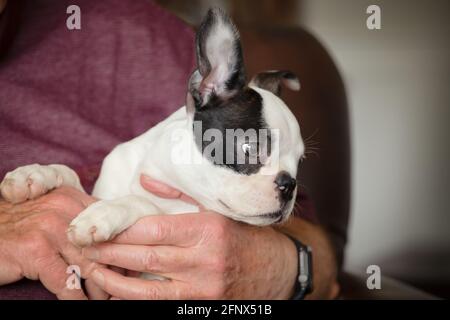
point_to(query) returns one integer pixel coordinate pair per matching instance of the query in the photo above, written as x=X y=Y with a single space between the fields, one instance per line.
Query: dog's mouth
x=276 y=216
x=268 y=218
x=280 y=215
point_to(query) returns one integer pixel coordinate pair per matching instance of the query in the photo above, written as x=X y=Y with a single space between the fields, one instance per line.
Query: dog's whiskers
x=311 y=135
x=311 y=146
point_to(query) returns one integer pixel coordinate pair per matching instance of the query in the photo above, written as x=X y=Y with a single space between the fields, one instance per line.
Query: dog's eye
x=250 y=149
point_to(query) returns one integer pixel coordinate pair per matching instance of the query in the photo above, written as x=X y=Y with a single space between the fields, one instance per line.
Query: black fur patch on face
x=242 y=111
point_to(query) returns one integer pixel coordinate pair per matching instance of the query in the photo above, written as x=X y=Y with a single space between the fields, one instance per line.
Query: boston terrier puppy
x=234 y=148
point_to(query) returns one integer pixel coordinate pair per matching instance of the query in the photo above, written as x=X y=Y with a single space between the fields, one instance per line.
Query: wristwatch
x=304 y=280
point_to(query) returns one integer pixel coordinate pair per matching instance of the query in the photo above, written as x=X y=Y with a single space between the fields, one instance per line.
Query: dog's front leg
x=34 y=180
x=104 y=219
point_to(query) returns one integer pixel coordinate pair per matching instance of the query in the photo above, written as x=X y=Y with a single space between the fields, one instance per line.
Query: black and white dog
x=258 y=190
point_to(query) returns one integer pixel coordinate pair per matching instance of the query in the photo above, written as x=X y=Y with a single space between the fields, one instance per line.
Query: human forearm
x=324 y=262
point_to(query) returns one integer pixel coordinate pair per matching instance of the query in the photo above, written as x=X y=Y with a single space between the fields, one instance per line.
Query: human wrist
x=290 y=268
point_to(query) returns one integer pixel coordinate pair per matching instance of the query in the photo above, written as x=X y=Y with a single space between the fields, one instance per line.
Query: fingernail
x=98 y=278
x=90 y=253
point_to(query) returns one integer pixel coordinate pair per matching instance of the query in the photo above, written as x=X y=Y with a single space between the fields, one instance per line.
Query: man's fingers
x=164 y=191
x=158 y=188
x=182 y=230
x=161 y=260
x=9 y=273
x=94 y=292
x=55 y=278
x=123 y=287
x=73 y=256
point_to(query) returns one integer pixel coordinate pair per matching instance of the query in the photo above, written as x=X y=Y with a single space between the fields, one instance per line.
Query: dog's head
x=250 y=138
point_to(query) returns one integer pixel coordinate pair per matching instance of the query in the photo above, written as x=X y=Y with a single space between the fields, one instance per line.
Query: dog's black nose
x=286 y=184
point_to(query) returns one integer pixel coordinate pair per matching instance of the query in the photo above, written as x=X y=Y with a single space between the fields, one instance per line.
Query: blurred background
x=397 y=83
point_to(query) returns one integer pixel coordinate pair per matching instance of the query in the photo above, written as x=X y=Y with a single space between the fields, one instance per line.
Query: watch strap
x=304 y=279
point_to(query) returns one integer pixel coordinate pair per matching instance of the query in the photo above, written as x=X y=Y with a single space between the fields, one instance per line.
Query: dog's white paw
x=29 y=182
x=99 y=222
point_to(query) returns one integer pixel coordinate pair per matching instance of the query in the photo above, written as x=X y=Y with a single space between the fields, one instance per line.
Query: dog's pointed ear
x=220 y=63
x=272 y=80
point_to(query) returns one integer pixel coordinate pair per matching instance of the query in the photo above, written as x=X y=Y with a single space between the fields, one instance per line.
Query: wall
x=398 y=83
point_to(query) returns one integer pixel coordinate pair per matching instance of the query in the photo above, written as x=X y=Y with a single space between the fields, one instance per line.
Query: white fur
x=247 y=198
x=124 y=200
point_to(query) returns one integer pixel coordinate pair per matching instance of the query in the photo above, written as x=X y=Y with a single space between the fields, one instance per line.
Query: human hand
x=33 y=242
x=204 y=255
x=325 y=269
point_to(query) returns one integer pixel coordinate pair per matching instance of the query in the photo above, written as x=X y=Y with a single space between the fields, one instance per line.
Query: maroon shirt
x=70 y=96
